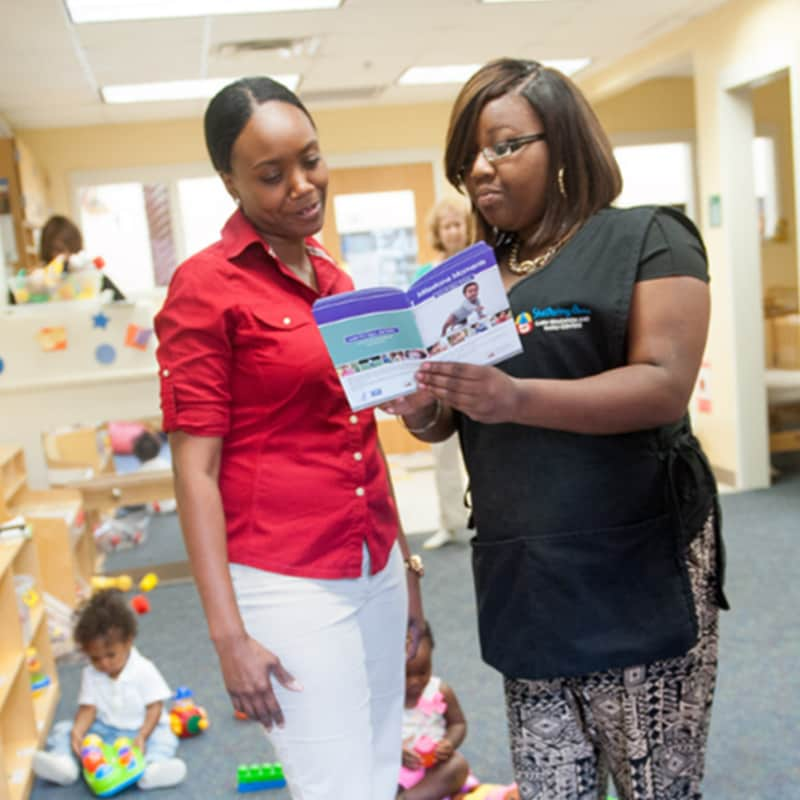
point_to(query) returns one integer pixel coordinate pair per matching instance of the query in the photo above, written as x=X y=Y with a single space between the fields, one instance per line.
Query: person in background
x=62 y=237
x=283 y=492
x=450 y=225
x=598 y=559
x=122 y=694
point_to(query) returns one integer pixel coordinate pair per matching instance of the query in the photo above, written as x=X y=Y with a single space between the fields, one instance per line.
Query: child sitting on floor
x=122 y=694
x=432 y=716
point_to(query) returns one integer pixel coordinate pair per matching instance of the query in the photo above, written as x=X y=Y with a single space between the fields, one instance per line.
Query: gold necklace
x=530 y=265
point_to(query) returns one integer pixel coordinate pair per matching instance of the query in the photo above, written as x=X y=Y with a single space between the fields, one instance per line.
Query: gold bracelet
x=428 y=425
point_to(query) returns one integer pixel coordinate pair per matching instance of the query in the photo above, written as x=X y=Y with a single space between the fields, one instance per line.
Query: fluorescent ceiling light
x=459 y=73
x=177 y=90
x=569 y=66
x=452 y=73
x=114 y=10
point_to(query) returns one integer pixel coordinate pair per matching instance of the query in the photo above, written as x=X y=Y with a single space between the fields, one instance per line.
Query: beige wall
x=660 y=104
x=62 y=151
x=741 y=42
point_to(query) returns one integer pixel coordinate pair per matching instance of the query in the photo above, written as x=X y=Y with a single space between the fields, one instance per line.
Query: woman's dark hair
x=59 y=235
x=576 y=142
x=230 y=110
x=104 y=615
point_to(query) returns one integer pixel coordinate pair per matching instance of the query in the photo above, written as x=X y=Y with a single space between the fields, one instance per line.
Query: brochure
x=377 y=337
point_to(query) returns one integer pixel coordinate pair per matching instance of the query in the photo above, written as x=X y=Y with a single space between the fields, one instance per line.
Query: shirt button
x=353 y=419
x=165 y=373
x=358 y=456
x=287 y=320
x=360 y=491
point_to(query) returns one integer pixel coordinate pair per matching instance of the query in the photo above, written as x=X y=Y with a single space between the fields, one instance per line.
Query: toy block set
x=108 y=769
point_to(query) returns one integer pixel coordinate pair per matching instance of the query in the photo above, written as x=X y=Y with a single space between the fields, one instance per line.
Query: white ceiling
x=51 y=70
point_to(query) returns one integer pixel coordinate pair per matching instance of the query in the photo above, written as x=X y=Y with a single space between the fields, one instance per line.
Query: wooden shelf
x=25 y=719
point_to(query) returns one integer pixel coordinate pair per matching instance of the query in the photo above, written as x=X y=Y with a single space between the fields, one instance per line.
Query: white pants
x=449 y=474
x=344 y=641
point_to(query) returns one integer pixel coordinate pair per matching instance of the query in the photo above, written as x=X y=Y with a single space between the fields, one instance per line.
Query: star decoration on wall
x=100 y=320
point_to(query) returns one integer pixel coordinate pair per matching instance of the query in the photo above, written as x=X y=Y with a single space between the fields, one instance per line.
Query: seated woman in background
x=62 y=237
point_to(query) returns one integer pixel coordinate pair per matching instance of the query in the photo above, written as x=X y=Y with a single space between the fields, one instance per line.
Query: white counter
x=106 y=369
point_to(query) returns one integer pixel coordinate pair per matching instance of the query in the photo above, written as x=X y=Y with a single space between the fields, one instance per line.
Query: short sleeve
x=87 y=696
x=672 y=247
x=194 y=353
x=153 y=687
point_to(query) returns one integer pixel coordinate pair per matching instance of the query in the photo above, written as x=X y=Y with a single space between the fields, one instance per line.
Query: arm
x=416 y=617
x=151 y=716
x=84 y=718
x=246 y=665
x=666 y=335
x=456 y=730
x=451 y=320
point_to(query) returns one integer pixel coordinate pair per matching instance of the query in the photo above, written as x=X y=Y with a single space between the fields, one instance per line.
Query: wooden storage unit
x=25 y=720
x=63 y=540
x=80 y=449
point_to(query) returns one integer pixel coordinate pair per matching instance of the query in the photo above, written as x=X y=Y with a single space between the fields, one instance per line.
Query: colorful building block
x=255 y=777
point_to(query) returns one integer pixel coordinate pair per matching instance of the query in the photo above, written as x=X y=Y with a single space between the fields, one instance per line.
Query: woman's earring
x=561 y=187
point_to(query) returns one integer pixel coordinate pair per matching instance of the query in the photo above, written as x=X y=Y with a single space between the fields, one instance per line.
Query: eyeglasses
x=500 y=150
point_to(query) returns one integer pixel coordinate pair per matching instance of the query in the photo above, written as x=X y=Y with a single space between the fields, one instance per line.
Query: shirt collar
x=239 y=233
x=130 y=666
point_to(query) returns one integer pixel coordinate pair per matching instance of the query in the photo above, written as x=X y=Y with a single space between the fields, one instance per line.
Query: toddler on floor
x=432 y=714
x=122 y=694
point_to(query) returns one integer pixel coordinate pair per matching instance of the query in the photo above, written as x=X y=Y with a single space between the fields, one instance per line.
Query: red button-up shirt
x=302 y=478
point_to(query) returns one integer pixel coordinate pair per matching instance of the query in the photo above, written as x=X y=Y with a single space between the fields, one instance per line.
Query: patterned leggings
x=645 y=725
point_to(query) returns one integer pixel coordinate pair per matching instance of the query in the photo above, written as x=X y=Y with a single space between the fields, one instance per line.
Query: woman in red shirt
x=283 y=491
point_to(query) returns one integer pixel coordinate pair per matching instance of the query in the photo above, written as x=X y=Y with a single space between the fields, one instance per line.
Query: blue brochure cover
x=377 y=337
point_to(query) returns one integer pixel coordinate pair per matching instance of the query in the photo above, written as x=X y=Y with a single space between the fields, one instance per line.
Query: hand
x=246 y=670
x=410 y=759
x=76 y=738
x=140 y=741
x=444 y=750
x=416 y=617
x=483 y=393
x=420 y=404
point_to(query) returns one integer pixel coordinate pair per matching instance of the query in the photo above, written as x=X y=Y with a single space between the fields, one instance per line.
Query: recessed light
x=177 y=90
x=113 y=10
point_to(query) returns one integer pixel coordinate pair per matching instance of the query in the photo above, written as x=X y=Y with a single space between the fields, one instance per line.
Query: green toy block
x=255 y=777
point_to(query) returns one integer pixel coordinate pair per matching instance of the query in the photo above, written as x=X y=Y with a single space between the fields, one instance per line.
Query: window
x=765 y=174
x=658 y=174
x=145 y=227
x=378 y=238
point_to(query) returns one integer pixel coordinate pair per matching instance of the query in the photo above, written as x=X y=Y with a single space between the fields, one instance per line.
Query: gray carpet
x=754 y=734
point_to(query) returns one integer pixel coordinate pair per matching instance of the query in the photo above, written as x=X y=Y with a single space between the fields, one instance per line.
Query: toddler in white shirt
x=122 y=694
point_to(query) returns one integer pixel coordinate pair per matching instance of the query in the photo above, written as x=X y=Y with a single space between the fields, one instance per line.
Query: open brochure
x=377 y=337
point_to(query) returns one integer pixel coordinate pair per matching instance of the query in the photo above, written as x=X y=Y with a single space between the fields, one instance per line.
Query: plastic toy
x=140 y=604
x=240 y=715
x=148 y=582
x=121 y=582
x=186 y=718
x=39 y=679
x=80 y=281
x=256 y=777
x=425 y=748
x=109 y=769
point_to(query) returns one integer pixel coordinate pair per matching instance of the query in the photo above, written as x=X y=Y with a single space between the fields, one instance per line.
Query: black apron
x=579 y=555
